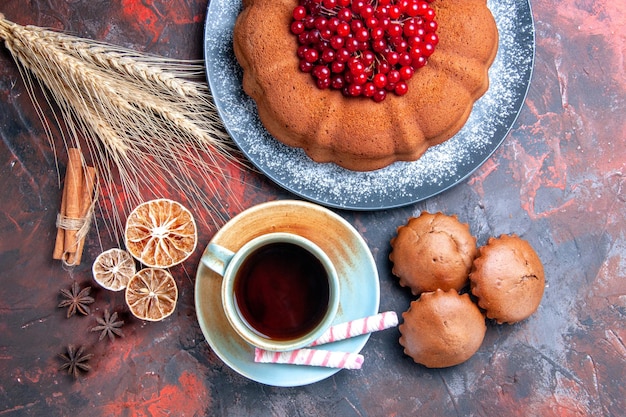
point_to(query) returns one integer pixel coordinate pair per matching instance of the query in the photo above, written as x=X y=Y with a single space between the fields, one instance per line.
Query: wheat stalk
x=148 y=121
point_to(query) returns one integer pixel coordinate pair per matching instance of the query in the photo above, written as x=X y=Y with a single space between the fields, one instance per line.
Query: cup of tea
x=280 y=291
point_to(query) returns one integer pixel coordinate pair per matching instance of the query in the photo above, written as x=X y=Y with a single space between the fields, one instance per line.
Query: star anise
x=75 y=361
x=76 y=300
x=108 y=325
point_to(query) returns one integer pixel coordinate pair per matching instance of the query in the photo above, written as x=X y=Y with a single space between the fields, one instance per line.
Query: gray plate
x=399 y=184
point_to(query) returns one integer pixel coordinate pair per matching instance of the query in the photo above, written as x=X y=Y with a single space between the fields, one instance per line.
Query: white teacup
x=280 y=291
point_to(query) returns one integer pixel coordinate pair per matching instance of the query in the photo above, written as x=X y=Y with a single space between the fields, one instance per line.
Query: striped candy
x=358 y=327
x=330 y=359
x=311 y=357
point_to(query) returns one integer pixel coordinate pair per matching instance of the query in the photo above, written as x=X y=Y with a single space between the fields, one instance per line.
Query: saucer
x=358 y=276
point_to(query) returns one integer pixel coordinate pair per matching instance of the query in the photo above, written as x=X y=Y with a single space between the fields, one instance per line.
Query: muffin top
x=508 y=279
x=433 y=251
x=442 y=328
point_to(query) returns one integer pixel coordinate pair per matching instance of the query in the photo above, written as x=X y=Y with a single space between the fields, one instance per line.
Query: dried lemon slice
x=151 y=294
x=161 y=233
x=113 y=268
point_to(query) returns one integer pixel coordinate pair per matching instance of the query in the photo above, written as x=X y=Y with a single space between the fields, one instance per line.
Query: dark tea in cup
x=282 y=291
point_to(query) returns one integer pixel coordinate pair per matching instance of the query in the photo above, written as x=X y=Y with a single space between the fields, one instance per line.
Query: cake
x=442 y=329
x=355 y=132
x=508 y=279
x=433 y=251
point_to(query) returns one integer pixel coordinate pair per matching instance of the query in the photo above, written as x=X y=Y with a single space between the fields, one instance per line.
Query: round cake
x=508 y=279
x=433 y=251
x=442 y=328
x=356 y=132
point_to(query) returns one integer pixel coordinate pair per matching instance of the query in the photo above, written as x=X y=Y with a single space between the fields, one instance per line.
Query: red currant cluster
x=364 y=47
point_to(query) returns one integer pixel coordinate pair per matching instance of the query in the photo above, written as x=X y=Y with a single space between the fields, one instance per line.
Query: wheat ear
x=149 y=121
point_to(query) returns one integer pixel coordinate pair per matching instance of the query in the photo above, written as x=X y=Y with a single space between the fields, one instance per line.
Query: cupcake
x=442 y=328
x=433 y=251
x=508 y=279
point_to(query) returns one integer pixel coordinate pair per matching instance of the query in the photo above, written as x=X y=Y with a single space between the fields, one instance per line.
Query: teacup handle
x=217 y=258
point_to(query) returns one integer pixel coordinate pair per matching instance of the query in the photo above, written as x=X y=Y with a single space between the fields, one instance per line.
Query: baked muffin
x=442 y=328
x=355 y=132
x=433 y=251
x=508 y=279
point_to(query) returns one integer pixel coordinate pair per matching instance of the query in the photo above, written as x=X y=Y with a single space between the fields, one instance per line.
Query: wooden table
x=557 y=181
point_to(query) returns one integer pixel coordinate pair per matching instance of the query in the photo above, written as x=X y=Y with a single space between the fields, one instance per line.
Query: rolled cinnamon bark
x=74 y=185
x=75 y=213
x=87 y=190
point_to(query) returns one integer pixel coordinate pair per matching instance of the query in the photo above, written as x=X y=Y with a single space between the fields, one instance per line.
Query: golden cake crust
x=508 y=279
x=357 y=133
x=442 y=328
x=433 y=251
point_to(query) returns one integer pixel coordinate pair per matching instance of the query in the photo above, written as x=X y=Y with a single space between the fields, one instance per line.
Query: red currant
x=321 y=71
x=360 y=78
x=323 y=83
x=356 y=66
x=384 y=67
x=368 y=58
x=297 y=27
x=328 y=55
x=305 y=66
x=320 y=23
x=429 y=48
x=379 y=95
x=299 y=13
x=345 y=14
x=362 y=35
x=355 y=90
x=343 y=55
x=395 y=11
x=371 y=22
x=337 y=67
x=367 y=11
x=401 y=88
x=311 y=55
x=343 y=29
x=337 y=82
x=406 y=72
x=379 y=45
x=404 y=59
x=357 y=5
x=380 y=80
x=392 y=57
x=394 y=30
x=393 y=76
x=337 y=42
x=369 y=90
x=432 y=39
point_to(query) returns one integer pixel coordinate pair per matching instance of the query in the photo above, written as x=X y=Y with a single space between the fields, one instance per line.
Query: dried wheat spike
x=149 y=120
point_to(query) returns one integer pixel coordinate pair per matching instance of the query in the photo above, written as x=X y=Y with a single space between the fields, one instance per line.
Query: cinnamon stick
x=87 y=189
x=73 y=184
x=76 y=203
x=59 y=243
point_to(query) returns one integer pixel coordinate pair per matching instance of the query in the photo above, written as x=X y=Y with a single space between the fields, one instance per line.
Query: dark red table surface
x=557 y=181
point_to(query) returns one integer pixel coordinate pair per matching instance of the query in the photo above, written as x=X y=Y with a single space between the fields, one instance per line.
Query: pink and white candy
x=358 y=327
x=318 y=357
x=311 y=357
